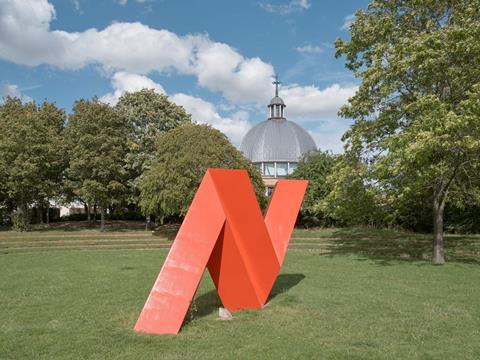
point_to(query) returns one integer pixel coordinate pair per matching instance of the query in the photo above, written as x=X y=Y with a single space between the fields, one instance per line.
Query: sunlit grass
x=347 y=295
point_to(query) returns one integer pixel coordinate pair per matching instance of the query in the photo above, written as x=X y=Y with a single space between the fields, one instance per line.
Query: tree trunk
x=438 y=211
x=95 y=213
x=22 y=210
x=89 y=216
x=148 y=222
x=48 y=211
x=102 y=218
x=39 y=214
x=21 y=223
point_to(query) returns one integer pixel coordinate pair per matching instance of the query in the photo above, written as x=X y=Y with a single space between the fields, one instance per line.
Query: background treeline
x=143 y=156
x=338 y=196
x=411 y=156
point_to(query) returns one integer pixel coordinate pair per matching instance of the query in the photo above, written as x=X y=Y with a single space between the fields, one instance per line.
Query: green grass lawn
x=342 y=293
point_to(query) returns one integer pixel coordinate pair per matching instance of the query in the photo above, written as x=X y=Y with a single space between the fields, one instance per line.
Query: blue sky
x=215 y=58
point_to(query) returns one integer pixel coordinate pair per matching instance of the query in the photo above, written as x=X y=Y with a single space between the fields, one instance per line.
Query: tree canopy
x=352 y=199
x=52 y=120
x=182 y=157
x=97 y=144
x=31 y=153
x=147 y=114
x=418 y=106
x=314 y=167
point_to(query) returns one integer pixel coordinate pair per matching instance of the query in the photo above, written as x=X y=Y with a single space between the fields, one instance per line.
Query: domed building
x=276 y=145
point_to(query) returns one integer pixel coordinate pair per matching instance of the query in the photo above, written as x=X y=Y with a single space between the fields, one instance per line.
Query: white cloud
x=77 y=7
x=12 y=90
x=317 y=110
x=9 y=90
x=203 y=112
x=305 y=105
x=313 y=102
x=310 y=49
x=25 y=38
x=129 y=52
x=347 y=21
x=220 y=68
x=328 y=134
x=123 y=82
x=124 y=2
x=284 y=9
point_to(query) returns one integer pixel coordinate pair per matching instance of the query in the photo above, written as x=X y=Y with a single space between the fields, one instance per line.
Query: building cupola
x=276 y=106
x=276 y=145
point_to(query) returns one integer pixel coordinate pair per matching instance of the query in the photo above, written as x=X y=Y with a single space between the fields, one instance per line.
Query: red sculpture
x=224 y=230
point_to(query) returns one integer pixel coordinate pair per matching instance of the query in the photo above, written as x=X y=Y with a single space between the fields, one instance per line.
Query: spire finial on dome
x=276 y=105
x=276 y=83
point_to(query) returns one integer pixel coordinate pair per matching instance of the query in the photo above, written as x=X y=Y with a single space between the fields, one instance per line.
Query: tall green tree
x=96 y=137
x=19 y=163
x=30 y=153
x=417 y=109
x=52 y=121
x=183 y=156
x=315 y=167
x=148 y=114
x=353 y=199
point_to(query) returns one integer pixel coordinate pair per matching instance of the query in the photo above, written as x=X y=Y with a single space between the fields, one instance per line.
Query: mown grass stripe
x=94 y=241
x=74 y=236
x=43 y=250
x=92 y=246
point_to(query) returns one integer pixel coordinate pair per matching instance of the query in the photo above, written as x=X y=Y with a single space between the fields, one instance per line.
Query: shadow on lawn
x=168 y=231
x=390 y=246
x=209 y=302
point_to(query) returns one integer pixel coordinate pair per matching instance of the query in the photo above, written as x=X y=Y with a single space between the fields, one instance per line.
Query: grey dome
x=277 y=101
x=277 y=140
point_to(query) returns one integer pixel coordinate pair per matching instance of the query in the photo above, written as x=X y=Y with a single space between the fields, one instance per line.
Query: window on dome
x=291 y=168
x=282 y=169
x=269 y=169
x=259 y=167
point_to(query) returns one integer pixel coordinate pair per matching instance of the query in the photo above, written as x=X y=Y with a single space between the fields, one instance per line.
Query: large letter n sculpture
x=225 y=231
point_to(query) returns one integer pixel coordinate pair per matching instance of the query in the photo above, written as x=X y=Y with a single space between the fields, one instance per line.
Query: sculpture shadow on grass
x=209 y=302
x=284 y=283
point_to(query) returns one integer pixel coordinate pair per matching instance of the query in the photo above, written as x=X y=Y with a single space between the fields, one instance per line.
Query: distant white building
x=75 y=207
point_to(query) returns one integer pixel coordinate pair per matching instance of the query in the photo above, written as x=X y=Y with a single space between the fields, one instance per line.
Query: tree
x=148 y=114
x=30 y=153
x=97 y=144
x=417 y=109
x=183 y=155
x=352 y=200
x=52 y=121
x=5 y=206
x=315 y=167
x=19 y=163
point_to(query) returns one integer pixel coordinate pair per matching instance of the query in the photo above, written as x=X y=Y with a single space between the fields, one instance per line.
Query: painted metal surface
x=225 y=231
